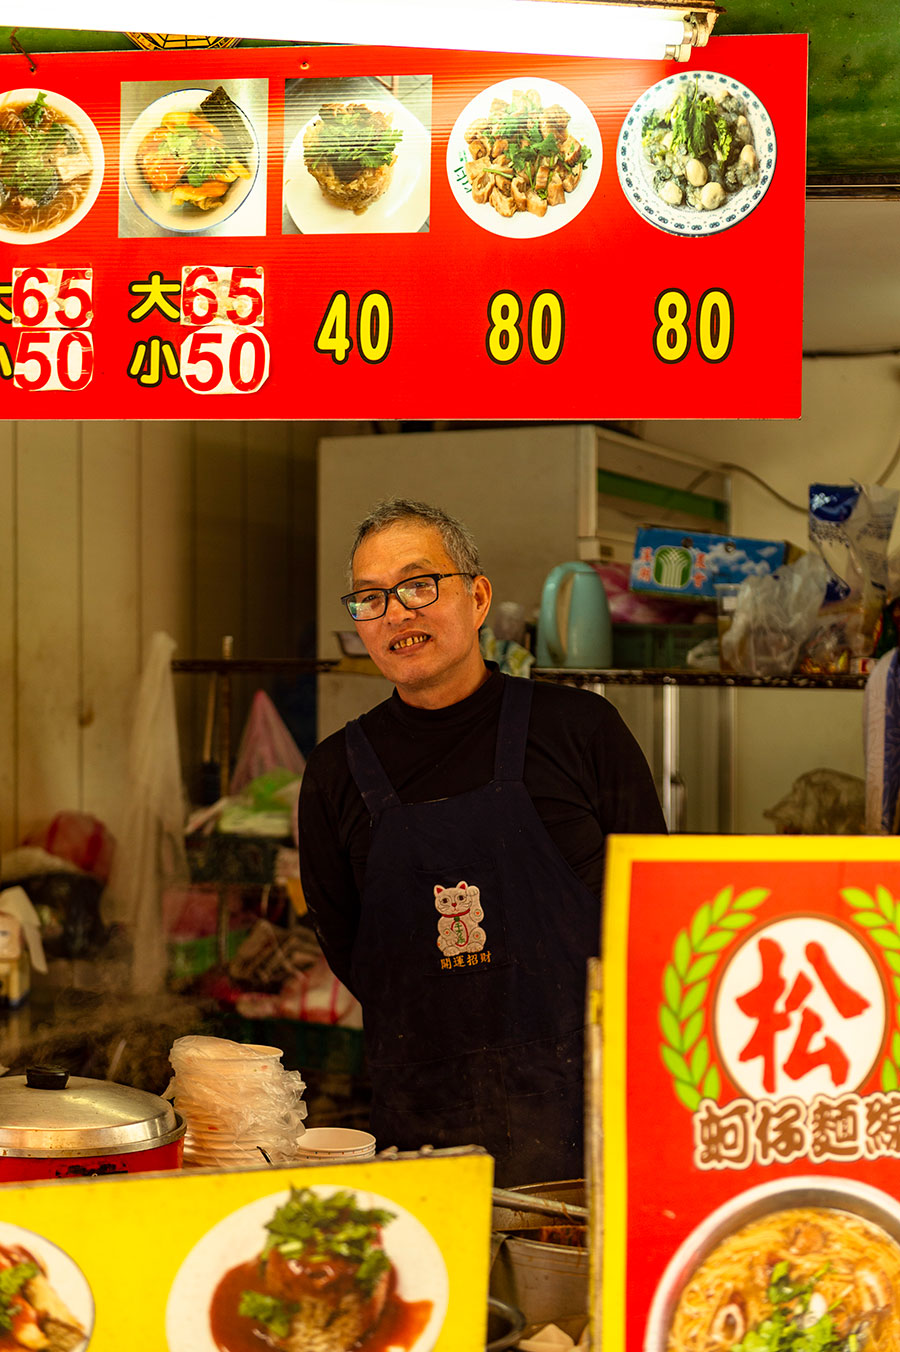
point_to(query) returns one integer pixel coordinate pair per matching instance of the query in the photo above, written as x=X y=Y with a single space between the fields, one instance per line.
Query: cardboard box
x=689 y=564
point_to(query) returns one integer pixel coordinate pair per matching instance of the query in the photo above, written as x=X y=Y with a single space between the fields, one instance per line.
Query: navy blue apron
x=470 y=963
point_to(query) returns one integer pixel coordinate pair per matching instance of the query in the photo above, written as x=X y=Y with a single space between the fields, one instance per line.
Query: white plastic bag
x=773 y=617
x=150 y=854
x=850 y=526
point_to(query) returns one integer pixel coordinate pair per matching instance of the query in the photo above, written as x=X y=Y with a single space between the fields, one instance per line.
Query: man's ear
x=481 y=593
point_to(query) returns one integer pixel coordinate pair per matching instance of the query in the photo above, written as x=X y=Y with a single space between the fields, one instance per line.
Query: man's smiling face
x=431 y=655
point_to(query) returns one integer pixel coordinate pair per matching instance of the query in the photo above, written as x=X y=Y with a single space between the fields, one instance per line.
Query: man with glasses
x=451 y=851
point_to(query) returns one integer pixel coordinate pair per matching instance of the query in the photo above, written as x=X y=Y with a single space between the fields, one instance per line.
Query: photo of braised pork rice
x=351 y=149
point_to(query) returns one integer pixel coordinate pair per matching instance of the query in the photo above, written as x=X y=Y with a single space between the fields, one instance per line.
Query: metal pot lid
x=48 y=1110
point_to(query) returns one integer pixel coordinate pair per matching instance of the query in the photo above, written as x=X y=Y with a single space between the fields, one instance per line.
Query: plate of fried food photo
x=45 y=1300
x=524 y=158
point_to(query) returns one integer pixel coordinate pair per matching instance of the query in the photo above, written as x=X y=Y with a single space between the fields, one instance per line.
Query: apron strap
x=377 y=790
x=512 y=734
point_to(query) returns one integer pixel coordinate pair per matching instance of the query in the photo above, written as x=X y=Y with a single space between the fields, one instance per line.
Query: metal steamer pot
x=56 y=1125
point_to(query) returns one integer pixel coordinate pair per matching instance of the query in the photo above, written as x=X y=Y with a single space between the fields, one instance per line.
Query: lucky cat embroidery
x=460 y=911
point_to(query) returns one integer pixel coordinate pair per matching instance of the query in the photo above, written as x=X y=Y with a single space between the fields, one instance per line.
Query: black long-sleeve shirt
x=584 y=771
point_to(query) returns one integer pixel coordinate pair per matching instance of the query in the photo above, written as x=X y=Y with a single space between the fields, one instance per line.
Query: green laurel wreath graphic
x=685 y=983
x=880 y=916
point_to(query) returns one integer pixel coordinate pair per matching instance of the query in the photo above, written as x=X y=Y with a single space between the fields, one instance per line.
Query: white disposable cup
x=335 y=1143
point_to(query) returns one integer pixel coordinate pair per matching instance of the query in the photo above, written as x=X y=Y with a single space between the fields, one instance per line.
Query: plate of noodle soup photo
x=805 y=1264
x=51 y=165
x=313 y=1269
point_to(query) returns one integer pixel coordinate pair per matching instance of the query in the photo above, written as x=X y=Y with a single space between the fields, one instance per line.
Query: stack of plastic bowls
x=335 y=1145
x=240 y=1106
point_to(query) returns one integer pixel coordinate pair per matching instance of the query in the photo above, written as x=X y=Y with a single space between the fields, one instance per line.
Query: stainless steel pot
x=53 y=1125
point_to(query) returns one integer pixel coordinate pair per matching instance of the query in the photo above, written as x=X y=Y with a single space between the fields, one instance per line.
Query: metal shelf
x=720 y=679
x=667 y=686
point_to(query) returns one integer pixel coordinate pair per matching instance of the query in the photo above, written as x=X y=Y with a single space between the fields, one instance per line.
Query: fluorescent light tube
x=551 y=27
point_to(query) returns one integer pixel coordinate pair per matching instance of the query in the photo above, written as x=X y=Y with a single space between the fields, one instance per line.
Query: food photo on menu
x=193 y=158
x=357 y=155
x=696 y=153
x=313 y=1269
x=805 y=1265
x=51 y=165
x=524 y=158
x=45 y=1301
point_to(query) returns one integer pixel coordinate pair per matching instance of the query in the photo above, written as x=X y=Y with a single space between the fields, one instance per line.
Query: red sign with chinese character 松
x=365 y=232
x=751 y=1079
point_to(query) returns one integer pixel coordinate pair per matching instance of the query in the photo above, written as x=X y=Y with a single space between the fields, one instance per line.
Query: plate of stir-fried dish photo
x=45 y=1300
x=359 y=166
x=524 y=158
x=51 y=165
x=696 y=153
x=190 y=159
x=313 y=1269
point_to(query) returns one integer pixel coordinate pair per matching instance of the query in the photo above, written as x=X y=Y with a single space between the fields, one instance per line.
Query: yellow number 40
x=374 y=328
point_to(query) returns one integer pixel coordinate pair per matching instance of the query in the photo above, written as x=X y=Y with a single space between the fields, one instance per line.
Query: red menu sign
x=752 y=1094
x=382 y=232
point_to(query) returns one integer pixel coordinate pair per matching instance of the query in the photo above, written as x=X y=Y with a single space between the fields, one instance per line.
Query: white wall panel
x=110 y=531
x=110 y=609
x=48 y=620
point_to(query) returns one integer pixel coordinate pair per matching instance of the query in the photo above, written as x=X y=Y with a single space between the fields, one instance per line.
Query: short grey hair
x=456 y=537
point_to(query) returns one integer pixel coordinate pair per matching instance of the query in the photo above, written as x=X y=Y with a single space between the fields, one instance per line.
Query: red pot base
x=24 y=1168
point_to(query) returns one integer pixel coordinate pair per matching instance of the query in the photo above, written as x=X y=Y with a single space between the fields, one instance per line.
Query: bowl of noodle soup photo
x=51 y=165
x=806 y=1264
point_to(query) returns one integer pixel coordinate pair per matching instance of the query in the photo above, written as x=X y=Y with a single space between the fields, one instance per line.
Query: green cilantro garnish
x=269 y=1310
x=12 y=1279
x=529 y=149
x=26 y=166
x=319 y=1228
x=33 y=113
x=349 y=140
x=789 y=1328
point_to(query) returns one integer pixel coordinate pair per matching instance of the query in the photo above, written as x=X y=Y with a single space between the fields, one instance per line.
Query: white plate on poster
x=157 y=206
x=402 y=209
x=525 y=225
x=91 y=138
x=636 y=172
x=63 y=1274
x=418 y=1263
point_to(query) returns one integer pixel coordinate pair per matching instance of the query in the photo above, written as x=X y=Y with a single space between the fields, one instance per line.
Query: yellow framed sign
x=386 y=1256
x=751 y=1094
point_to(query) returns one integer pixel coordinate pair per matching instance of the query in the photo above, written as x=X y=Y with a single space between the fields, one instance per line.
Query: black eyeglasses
x=413 y=593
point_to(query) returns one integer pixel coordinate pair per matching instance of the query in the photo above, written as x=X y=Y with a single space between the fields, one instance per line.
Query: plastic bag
x=821 y=802
x=234 y=1094
x=266 y=745
x=81 y=839
x=850 y=527
x=773 y=616
x=150 y=853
